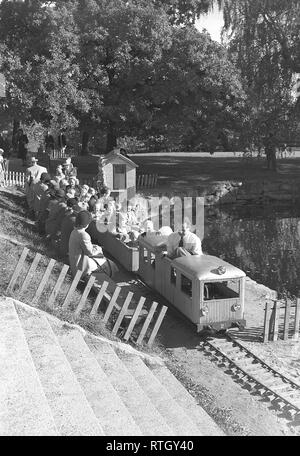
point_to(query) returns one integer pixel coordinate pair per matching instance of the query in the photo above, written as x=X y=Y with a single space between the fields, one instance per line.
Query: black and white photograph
x=150 y=221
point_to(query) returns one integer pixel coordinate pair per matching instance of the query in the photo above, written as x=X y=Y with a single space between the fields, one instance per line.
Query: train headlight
x=204 y=311
x=235 y=307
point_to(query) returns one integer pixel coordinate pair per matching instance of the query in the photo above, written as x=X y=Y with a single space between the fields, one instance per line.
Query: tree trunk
x=111 y=140
x=14 y=139
x=85 y=143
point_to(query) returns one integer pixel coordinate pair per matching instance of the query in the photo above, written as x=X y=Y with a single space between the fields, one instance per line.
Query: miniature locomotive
x=204 y=288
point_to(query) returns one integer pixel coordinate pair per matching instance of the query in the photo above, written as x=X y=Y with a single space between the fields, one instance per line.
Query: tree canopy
x=263 y=39
x=122 y=67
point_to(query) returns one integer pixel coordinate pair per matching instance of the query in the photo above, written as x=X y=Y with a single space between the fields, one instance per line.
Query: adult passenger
x=67 y=226
x=183 y=242
x=57 y=210
x=83 y=255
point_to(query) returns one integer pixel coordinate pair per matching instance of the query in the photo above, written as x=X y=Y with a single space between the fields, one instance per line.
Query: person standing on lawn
x=270 y=151
x=33 y=176
x=2 y=168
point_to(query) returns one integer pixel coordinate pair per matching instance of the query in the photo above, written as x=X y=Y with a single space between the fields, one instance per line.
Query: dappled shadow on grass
x=192 y=171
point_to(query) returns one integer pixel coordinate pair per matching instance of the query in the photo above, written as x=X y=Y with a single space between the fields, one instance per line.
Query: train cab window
x=173 y=276
x=221 y=290
x=152 y=259
x=186 y=285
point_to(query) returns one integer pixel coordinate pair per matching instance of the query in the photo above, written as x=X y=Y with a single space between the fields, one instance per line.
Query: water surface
x=262 y=241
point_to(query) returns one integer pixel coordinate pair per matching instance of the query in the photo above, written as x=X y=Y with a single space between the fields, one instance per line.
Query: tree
x=185 y=11
x=196 y=97
x=38 y=46
x=273 y=21
x=121 y=68
x=119 y=50
x=263 y=39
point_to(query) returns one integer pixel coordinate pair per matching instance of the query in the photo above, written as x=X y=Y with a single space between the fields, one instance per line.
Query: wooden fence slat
x=268 y=311
x=134 y=318
x=297 y=320
x=111 y=304
x=99 y=299
x=30 y=272
x=157 y=325
x=44 y=281
x=72 y=289
x=287 y=320
x=17 y=270
x=122 y=313
x=146 y=180
x=276 y=320
x=58 y=284
x=85 y=295
x=147 y=323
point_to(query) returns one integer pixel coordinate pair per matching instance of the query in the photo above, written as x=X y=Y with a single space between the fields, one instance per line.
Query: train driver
x=183 y=242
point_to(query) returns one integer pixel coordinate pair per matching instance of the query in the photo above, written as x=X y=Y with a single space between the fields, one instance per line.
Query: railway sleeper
x=249 y=380
x=282 y=388
x=242 y=356
x=264 y=376
x=235 y=350
x=254 y=370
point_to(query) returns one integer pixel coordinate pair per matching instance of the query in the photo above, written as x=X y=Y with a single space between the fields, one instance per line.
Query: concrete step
x=72 y=413
x=111 y=412
x=203 y=421
x=177 y=418
x=24 y=410
x=138 y=403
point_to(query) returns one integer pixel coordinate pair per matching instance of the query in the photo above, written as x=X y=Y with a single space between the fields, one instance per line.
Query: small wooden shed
x=120 y=174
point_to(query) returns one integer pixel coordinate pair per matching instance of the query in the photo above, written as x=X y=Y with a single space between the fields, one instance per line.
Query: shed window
x=119 y=172
x=221 y=290
x=186 y=285
x=152 y=257
x=145 y=255
x=173 y=276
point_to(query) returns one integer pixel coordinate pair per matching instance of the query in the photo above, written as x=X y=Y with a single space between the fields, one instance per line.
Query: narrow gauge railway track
x=258 y=375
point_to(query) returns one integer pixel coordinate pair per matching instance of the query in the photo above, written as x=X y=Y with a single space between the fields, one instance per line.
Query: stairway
x=55 y=379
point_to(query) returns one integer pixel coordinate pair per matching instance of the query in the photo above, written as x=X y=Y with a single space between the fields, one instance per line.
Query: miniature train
x=208 y=291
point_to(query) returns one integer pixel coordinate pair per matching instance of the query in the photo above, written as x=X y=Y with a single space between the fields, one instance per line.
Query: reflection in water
x=265 y=243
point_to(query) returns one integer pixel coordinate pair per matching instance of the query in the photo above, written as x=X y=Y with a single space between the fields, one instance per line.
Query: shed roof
x=111 y=156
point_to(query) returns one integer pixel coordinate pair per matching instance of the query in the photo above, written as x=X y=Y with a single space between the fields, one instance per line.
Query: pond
x=263 y=242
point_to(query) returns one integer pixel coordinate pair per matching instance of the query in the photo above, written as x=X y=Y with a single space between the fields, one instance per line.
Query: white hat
x=1 y=151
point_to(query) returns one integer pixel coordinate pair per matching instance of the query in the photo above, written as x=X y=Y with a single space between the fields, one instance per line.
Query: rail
x=260 y=378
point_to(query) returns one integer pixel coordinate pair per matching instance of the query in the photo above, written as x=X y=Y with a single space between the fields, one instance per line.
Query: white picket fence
x=13 y=178
x=146 y=181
